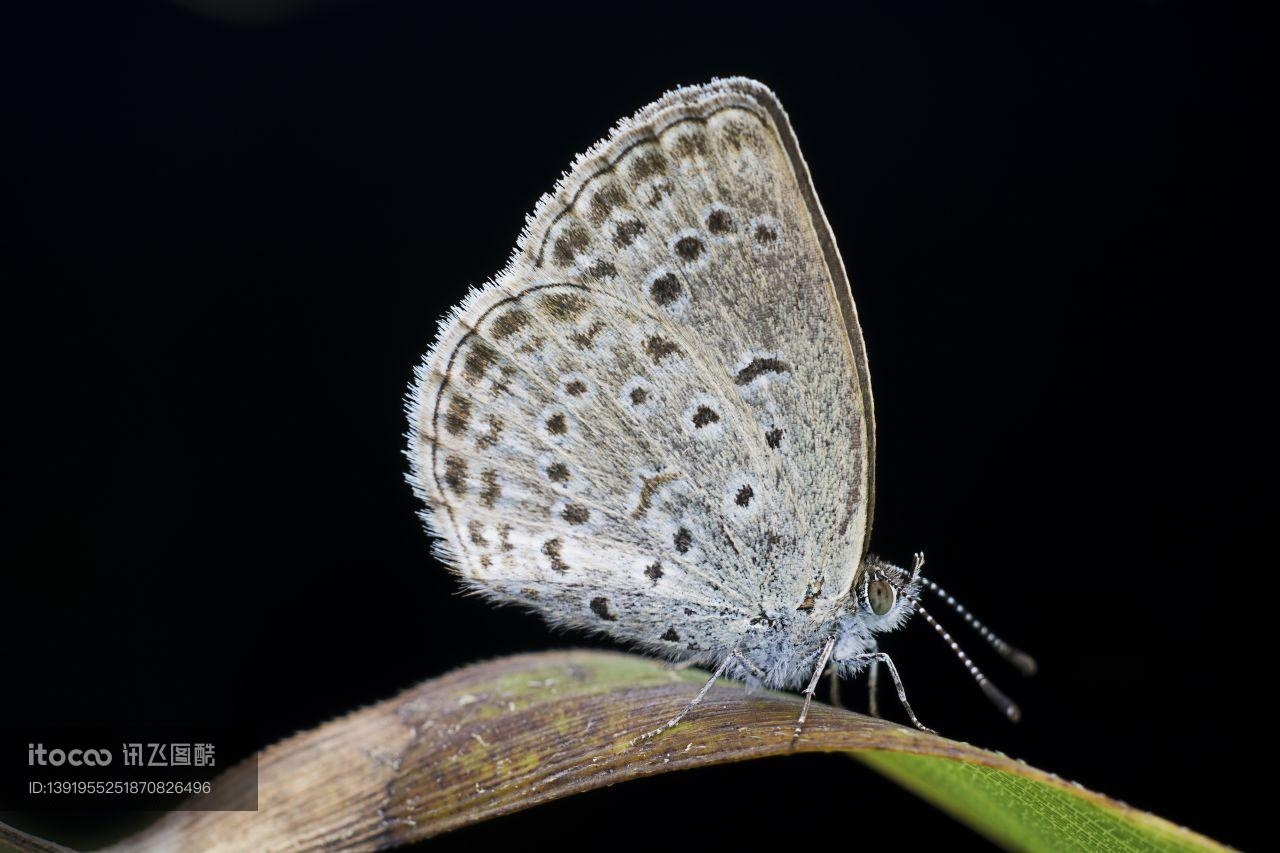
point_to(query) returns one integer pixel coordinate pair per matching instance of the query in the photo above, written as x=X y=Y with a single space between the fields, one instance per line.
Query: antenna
x=1004 y=703
x=1024 y=662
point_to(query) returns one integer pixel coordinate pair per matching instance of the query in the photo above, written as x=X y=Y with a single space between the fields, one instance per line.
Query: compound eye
x=881 y=596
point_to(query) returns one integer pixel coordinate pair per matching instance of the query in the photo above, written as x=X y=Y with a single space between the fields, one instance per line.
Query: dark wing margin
x=835 y=267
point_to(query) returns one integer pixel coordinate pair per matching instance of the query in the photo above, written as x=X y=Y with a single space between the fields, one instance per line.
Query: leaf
x=509 y=734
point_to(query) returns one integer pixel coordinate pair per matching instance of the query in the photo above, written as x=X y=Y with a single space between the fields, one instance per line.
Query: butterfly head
x=884 y=593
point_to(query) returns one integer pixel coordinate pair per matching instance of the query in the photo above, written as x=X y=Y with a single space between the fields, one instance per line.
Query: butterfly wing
x=657 y=421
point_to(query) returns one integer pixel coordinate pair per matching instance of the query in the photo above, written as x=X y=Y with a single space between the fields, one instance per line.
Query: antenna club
x=1023 y=662
x=1001 y=701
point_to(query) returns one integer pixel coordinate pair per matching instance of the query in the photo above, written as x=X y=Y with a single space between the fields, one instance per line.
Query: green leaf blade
x=1024 y=813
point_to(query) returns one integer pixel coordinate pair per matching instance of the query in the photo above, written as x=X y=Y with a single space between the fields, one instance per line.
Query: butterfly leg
x=873 y=689
x=674 y=721
x=752 y=668
x=813 y=682
x=833 y=675
x=881 y=657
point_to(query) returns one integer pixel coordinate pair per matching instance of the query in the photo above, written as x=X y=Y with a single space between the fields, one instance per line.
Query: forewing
x=656 y=422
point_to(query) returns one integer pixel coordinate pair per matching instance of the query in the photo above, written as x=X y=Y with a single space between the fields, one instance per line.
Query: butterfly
x=656 y=423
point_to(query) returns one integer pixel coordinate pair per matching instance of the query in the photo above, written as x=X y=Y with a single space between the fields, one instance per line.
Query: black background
x=232 y=236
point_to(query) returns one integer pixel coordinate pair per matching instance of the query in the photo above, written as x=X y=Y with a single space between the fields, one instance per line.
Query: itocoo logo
x=37 y=754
